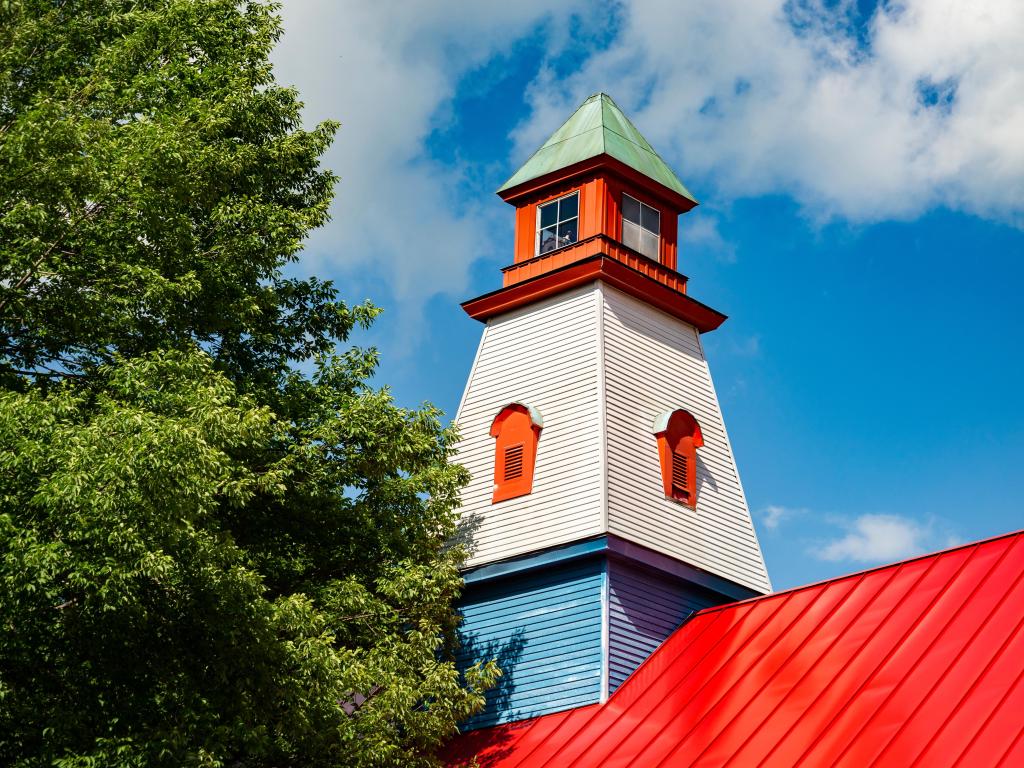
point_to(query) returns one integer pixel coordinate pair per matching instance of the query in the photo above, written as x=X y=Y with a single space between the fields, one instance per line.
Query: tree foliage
x=212 y=551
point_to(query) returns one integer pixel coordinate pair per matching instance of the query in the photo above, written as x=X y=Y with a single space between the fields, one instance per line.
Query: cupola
x=596 y=201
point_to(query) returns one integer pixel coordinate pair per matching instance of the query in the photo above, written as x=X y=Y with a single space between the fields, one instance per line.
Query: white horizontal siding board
x=544 y=356
x=654 y=363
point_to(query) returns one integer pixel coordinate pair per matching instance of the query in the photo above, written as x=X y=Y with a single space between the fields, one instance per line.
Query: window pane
x=567 y=232
x=649 y=244
x=547 y=240
x=650 y=219
x=630 y=209
x=549 y=214
x=631 y=235
x=569 y=206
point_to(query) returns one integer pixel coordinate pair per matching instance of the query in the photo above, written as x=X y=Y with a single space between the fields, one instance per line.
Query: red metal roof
x=920 y=663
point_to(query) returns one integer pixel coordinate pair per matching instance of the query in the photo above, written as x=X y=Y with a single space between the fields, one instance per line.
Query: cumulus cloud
x=386 y=71
x=919 y=108
x=700 y=230
x=773 y=515
x=877 y=538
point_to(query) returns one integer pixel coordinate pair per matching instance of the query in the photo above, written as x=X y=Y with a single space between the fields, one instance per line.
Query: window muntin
x=641 y=227
x=558 y=223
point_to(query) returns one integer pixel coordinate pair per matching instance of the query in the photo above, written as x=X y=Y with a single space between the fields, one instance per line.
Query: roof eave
x=608 y=270
x=603 y=161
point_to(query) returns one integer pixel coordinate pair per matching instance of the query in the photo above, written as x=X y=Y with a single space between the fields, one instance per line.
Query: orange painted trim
x=599 y=267
x=599 y=244
x=526 y=215
x=600 y=191
x=669 y=196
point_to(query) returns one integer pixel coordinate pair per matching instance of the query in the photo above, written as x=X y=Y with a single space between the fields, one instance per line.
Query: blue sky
x=861 y=172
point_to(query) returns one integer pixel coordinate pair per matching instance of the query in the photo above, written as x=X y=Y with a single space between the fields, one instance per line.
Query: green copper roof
x=598 y=127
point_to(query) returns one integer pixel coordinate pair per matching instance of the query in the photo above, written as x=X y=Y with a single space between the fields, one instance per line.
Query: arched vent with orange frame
x=516 y=430
x=679 y=437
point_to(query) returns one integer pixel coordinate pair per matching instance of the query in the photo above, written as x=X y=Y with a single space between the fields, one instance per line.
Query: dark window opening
x=558 y=223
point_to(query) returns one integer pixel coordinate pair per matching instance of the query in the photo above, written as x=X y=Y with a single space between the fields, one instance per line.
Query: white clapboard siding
x=545 y=356
x=655 y=363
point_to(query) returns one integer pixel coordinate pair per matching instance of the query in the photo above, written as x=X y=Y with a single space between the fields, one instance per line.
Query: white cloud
x=700 y=230
x=928 y=114
x=875 y=538
x=728 y=91
x=773 y=515
x=386 y=71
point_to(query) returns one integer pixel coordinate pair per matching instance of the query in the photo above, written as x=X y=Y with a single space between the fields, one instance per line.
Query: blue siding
x=646 y=606
x=544 y=628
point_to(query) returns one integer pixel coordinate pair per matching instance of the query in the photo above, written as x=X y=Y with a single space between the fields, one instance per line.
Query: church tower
x=604 y=506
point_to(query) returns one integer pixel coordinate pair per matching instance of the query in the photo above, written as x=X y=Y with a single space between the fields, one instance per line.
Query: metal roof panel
x=919 y=663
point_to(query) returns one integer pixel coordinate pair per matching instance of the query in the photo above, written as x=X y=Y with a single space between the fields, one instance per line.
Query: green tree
x=212 y=551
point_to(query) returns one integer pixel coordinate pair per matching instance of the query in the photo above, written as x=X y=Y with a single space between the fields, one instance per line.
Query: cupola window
x=558 y=223
x=516 y=432
x=679 y=437
x=641 y=227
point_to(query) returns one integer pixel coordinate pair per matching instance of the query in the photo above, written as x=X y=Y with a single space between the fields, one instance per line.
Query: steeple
x=604 y=505
x=597 y=128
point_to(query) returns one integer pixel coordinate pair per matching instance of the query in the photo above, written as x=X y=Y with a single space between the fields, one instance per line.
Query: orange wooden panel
x=601 y=190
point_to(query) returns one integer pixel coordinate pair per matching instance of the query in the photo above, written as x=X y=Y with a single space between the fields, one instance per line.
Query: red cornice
x=599 y=244
x=606 y=162
x=599 y=267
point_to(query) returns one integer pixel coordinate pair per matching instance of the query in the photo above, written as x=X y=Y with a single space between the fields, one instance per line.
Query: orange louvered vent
x=516 y=430
x=514 y=462
x=679 y=437
x=680 y=476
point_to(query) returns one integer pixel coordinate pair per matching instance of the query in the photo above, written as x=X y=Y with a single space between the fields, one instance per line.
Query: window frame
x=558 y=222
x=639 y=225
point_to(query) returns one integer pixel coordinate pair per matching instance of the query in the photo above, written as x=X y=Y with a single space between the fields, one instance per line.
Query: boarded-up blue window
x=544 y=628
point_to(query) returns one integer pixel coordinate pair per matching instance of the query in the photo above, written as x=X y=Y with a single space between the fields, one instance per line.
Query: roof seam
x=577 y=144
x=730 y=631
x=778 y=638
x=621 y=690
x=1020 y=734
x=832 y=612
x=998 y=654
x=919 y=659
x=754 y=731
x=935 y=639
x=808 y=750
x=843 y=667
